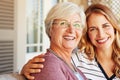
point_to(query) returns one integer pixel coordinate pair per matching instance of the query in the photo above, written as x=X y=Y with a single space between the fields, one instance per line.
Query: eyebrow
x=102 y=25
x=60 y=20
x=107 y=23
x=91 y=27
x=78 y=21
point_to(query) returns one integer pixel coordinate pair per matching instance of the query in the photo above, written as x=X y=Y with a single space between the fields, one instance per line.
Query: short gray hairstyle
x=61 y=11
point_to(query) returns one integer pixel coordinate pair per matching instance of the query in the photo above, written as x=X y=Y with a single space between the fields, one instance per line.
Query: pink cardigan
x=56 y=69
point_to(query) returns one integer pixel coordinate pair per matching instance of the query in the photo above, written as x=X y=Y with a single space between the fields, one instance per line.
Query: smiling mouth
x=69 y=38
x=102 y=40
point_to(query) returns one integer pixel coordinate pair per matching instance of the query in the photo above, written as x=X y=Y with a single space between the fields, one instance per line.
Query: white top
x=78 y=76
x=91 y=69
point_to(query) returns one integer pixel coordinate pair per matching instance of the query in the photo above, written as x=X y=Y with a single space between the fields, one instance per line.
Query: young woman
x=99 y=54
x=101 y=44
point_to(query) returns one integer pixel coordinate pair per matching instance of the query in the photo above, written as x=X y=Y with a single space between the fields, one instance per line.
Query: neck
x=104 y=57
x=65 y=55
x=104 y=54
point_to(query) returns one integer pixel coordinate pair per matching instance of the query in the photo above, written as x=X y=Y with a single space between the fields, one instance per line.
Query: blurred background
x=22 y=31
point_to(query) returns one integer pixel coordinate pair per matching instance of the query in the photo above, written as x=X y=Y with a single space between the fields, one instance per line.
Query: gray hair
x=61 y=11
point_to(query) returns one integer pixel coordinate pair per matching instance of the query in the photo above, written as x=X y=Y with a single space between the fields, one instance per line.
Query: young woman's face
x=100 y=31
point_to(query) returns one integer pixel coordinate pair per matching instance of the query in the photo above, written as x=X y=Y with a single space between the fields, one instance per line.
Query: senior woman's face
x=66 y=33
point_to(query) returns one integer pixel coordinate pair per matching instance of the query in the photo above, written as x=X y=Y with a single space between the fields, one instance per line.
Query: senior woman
x=64 y=25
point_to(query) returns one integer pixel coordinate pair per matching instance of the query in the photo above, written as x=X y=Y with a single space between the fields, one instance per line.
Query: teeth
x=69 y=38
x=102 y=40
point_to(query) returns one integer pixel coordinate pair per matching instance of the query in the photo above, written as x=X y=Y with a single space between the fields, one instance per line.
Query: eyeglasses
x=66 y=24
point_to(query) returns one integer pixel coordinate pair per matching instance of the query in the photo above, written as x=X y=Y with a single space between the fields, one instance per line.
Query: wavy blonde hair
x=89 y=48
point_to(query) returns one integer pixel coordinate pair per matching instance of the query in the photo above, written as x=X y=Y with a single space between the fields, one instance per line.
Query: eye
x=63 y=23
x=92 y=29
x=77 y=25
x=106 y=25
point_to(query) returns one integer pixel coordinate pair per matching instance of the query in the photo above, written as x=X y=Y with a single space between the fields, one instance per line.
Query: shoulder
x=80 y=58
x=51 y=60
x=52 y=69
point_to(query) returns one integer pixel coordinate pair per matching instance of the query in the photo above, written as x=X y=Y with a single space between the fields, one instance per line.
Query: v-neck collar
x=106 y=76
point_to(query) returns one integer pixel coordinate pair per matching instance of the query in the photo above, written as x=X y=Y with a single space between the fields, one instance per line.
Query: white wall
x=20 y=34
x=21 y=56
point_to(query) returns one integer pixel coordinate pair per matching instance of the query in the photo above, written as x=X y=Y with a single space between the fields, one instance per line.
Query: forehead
x=69 y=18
x=95 y=19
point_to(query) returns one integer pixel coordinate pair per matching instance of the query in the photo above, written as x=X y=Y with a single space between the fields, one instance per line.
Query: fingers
x=27 y=70
x=38 y=59
x=27 y=73
x=41 y=55
x=28 y=76
x=34 y=71
x=33 y=66
x=36 y=66
x=35 y=63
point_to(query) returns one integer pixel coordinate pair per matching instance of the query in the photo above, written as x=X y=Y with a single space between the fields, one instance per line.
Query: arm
x=33 y=66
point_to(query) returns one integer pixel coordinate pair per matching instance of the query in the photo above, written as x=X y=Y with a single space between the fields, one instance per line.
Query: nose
x=101 y=33
x=71 y=29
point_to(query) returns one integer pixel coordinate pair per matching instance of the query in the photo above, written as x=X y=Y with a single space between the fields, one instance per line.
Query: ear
x=50 y=31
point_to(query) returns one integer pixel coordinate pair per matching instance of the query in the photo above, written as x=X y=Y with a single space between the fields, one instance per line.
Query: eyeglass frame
x=67 y=24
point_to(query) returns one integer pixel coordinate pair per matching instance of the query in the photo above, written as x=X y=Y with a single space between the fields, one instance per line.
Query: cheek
x=79 y=35
x=91 y=36
x=55 y=37
x=57 y=34
x=112 y=33
x=55 y=31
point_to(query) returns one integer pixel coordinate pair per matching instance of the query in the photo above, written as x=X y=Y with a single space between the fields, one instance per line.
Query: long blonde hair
x=89 y=47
